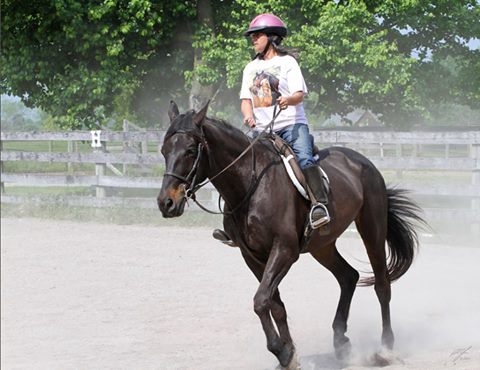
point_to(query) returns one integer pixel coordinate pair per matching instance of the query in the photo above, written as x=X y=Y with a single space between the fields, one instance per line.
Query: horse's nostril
x=169 y=203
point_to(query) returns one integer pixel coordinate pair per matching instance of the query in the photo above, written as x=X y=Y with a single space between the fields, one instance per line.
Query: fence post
x=101 y=170
x=125 y=145
x=475 y=154
x=399 y=157
x=415 y=151
x=70 y=149
x=475 y=202
x=144 y=144
x=99 y=146
x=2 y=185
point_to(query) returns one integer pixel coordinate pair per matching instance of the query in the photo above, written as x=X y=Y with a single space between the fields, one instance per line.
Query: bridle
x=190 y=180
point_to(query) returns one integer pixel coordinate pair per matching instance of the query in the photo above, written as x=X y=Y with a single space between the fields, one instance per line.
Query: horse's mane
x=232 y=131
x=184 y=122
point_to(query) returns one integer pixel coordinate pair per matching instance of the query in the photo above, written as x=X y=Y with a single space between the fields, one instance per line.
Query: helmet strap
x=261 y=55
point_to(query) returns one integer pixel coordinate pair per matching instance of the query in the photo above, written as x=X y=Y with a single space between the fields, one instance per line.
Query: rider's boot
x=319 y=215
x=222 y=236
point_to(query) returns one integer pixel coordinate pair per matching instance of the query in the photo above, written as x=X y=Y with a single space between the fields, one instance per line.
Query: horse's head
x=183 y=149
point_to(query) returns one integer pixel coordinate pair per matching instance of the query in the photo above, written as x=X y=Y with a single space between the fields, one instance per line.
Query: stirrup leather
x=315 y=224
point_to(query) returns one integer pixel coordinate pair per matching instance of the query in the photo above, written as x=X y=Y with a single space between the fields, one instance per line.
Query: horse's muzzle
x=171 y=202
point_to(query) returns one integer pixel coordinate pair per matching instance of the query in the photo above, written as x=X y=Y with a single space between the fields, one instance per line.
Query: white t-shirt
x=264 y=81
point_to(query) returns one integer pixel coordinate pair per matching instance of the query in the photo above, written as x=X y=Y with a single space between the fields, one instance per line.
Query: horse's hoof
x=293 y=364
x=287 y=357
x=343 y=348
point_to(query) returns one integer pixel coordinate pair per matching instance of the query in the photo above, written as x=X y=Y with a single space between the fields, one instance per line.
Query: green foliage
x=87 y=61
x=378 y=55
x=356 y=67
x=69 y=57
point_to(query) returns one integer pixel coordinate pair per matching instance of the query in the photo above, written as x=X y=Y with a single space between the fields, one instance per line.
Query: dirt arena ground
x=98 y=296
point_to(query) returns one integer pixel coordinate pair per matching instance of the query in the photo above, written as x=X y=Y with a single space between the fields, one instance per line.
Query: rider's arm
x=294 y=99
x=247 y=110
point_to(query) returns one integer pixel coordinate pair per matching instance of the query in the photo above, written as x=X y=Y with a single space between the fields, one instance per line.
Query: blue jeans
x=299 y=138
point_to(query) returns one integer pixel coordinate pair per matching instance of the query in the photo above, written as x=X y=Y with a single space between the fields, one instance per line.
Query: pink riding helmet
x=267 y=23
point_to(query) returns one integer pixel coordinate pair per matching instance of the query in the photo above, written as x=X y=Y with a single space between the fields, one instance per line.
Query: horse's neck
x=225 y=146
x=225 y=143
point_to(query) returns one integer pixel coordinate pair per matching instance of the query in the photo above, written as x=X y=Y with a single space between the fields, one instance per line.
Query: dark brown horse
x=265 y=216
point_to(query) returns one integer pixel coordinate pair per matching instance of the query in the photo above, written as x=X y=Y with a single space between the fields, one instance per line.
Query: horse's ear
x=173 y=110
x=200 y=115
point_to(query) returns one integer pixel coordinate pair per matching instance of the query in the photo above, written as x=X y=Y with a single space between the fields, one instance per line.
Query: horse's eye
x=191 y=152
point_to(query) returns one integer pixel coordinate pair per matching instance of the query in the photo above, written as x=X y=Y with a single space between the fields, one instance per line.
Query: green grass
x=33 y=167
x=48 y=190
x=45 y=146
x=120 y=216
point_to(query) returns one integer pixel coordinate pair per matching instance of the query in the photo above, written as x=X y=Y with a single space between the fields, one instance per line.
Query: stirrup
x=223 y=237
x=315 y=224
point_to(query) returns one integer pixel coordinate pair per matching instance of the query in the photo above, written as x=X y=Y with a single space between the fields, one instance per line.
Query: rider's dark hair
x=275 y=42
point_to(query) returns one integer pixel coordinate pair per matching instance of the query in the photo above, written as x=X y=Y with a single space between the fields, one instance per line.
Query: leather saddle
x=293 y=168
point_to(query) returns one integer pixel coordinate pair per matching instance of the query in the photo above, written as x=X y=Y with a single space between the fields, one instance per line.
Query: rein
x=190 y=179
x=269 y=126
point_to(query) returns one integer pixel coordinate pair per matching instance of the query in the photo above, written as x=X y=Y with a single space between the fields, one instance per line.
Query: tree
x=84 y=61
x=380 y=55
x=199 y=94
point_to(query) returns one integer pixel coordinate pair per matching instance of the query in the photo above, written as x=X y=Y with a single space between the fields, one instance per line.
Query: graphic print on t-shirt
x=264 y=88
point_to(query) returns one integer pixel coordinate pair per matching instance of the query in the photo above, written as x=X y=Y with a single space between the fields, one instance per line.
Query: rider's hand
x=282 y=102
x=250 y=121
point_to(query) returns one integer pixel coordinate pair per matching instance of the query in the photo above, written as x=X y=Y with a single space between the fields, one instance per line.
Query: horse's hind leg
x=347 y=278
x=373 y=230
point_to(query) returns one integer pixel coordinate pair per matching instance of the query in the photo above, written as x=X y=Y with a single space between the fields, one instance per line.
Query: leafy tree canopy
x=82 y=61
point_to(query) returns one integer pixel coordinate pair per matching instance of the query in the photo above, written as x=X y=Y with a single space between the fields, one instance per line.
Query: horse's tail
x=402 y=239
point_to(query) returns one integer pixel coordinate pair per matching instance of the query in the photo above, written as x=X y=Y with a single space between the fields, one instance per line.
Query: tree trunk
x=200 y=94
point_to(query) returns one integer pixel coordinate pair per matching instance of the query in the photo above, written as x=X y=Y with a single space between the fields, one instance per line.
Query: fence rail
x=457 y=151
x=383 y=163
x=398 y=137
x=322 y=136
x=98 y=157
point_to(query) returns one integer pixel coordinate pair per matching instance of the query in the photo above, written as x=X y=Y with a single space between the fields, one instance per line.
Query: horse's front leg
x=279 y=314
x=278 y=310
x=267 y=302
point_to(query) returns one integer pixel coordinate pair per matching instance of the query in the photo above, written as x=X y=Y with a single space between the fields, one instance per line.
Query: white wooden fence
x=113 y=152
